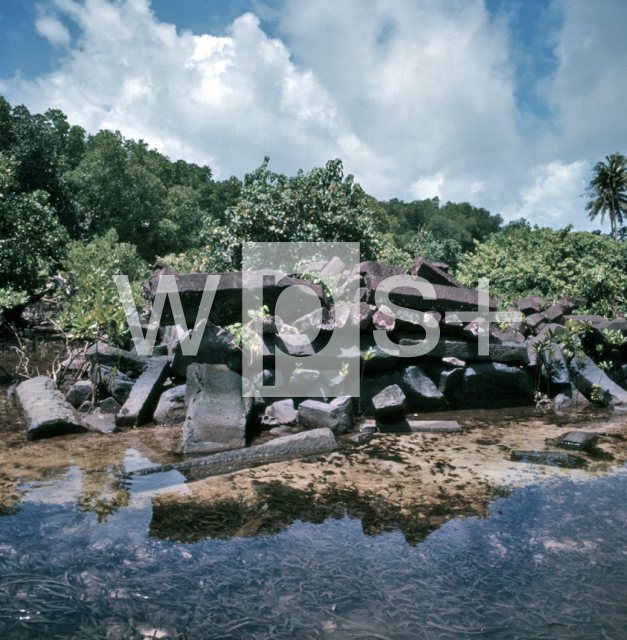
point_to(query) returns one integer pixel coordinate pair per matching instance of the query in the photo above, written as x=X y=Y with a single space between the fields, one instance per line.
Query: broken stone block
x=390 y=404
x=421 y=392
x=504 y=352
x=130 y=364
x=360 y=438
x=367 y=426
x=282 y=411
x=171 y=409
x=570 y=398
x=216 y=347
x=588 y=377
x=432 y=273
x=79 y=392
x=492 y=386
x=109 y=405
x=382 y=321
x=530 y=304
x=313 y=414
x=144 y=396
x=335 y=266
x=453 y=362
x=119 y=385
x=217 y=414
x=578 y=440
x=345 y=403
x=98 y=421
x=44 y=409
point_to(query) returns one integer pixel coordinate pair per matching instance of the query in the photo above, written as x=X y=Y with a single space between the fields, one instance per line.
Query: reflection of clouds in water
x=55 y=491
x=123 y=508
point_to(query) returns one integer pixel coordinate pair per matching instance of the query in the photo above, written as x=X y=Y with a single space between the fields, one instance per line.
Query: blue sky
x=506 y=104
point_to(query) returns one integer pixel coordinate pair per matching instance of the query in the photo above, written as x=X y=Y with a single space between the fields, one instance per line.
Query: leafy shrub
x=94 y=310
x=522 y=260
x=319 y=206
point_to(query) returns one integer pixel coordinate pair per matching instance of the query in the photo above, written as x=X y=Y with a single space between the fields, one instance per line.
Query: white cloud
x=417 y=98
x=554 y=193
x=428 y=187
x=53 y=30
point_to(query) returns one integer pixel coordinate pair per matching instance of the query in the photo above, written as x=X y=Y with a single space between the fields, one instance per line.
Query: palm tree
x=608 y=191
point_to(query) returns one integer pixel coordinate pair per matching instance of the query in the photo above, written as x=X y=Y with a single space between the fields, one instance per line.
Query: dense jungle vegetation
x=82 y=208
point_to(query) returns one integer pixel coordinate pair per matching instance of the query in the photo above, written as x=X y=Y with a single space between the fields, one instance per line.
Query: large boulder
x=44 y=409
x=421 y=392
x=171 y=407
x=217 y=414
x=595 y=384
x=493 y=386
x=143 y=399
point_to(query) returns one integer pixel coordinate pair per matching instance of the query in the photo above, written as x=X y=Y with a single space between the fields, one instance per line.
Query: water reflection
x=549 y=562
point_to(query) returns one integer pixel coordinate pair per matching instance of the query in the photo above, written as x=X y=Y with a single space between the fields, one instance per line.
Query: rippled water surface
x=86 y=554
x=549 y=561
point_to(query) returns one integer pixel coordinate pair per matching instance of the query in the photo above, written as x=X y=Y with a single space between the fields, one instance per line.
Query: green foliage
x=94 y=310
x=427 y=246
x=318 y=206
x=32 y=239
x=608 y=191
x=521 y=261
x=10 y=298
x=455 y=225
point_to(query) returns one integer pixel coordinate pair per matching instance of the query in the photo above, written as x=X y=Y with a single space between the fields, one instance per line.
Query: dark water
x=550 y=561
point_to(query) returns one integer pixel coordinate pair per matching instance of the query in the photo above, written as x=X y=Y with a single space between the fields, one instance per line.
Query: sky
x=506 y=104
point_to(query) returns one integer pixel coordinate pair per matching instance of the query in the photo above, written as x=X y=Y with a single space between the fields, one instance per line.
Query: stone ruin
x=203 y=393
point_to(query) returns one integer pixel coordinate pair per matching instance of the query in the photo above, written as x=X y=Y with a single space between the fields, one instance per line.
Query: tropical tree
x=608 y=191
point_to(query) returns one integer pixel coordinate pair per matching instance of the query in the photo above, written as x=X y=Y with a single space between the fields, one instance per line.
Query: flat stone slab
x=227 y=303
x=142 y=401
x=434 y=426
x=578 y=440
x=551 y=458
x=509 y=351
x=102 y=422
x=44 y=409
x=305 y=443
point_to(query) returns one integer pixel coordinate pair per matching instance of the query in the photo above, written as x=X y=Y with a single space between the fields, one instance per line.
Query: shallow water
x=514 y=550
x=549 y=561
